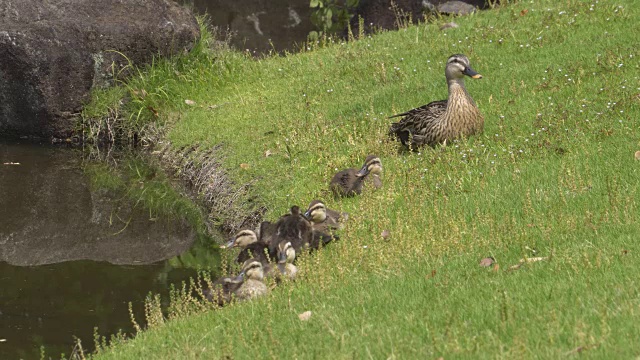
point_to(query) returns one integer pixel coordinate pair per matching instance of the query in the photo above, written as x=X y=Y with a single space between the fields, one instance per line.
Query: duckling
x=265 y=231
x=349 y=182
x=323 y=218
x=373 y=179
x=251 y=247
x=285 y=267
x=444 y=120
x=286 y=256
x=324 y=222
x=294 y=228
x=221 y=290
x=252 y=286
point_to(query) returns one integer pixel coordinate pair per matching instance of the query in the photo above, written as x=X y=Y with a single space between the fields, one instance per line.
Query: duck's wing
x=416 y=119
x=432 y=108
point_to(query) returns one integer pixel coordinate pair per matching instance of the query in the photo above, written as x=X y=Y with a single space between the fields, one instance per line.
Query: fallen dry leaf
x=385 y=234
x=154 y=111
x=516 y=266
x=534 y=259
x=496 y=267
x=486 y=262
x=448 y=25
x=305 y=315
x=526 y=261
x=189 y=102
x=625 y=252
x=244 y=166
x=267 y=153
x=524 y=12
x=638 y=155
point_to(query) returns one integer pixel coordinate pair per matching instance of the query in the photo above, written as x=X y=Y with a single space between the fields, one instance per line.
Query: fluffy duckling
x=286 y=257
x=349 y=182
x=251 y=247
x=252 y=285
x=221 y=290
x=324 y=221
x=294 y=228
x=324 y=218
x=444 y=120
x=265 y=231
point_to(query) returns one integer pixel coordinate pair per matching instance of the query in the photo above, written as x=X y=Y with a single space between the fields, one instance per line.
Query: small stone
x=267 y=153
x=305 y=315
x=638 y=155
x=486 y=262
x=189 y=102
x=385 y=234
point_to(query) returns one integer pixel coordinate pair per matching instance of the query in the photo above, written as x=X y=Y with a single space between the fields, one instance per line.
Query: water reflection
x=259 y=26
x=67 y=247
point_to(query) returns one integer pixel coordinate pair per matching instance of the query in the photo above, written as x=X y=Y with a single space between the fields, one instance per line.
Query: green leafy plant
x=330 y=16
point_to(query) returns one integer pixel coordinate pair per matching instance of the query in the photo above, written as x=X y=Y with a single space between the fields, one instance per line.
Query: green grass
x=554 y=170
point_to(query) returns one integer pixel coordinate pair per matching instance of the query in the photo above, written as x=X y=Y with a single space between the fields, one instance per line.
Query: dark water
x=50 y=304
x=72 y=257
x=259 y=25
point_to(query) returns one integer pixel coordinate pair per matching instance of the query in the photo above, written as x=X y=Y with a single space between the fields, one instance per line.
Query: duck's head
x=458 y=66
x=317 y=211
x=286 y=252
x=372 y=165
x=252 y=269
x=242 y=239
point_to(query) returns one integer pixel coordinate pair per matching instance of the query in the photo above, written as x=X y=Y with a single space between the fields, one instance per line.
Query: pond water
x=72 y=256
x=257 y=25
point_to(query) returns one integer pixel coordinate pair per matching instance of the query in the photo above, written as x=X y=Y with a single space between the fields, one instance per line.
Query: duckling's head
x=295 y=210
x=252 y=269
x=242 y=239
x=372 y=164
x=458 y=66
x=286 y=252
x=316 y=212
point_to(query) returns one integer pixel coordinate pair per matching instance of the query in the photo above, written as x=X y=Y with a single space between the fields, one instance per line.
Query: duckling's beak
x=229 y=244
x=282 y=258
x=307 y=214
x=239 y=278
x=472 y=73
x=363 y=172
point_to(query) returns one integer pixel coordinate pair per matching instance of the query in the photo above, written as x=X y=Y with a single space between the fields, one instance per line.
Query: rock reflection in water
x=66 y=250
x=50 y=214
x=259 y=26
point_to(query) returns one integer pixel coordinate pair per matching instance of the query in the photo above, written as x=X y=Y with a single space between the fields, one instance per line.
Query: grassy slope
x=554 y=170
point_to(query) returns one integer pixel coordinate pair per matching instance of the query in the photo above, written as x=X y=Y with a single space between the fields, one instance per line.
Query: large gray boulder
x=52 y=52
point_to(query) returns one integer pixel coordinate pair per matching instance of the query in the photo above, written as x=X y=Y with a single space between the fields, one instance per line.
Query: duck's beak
x=307 y=214
x=363 y=172
x=229 y=244
x=239 y=278
x=472 y=73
